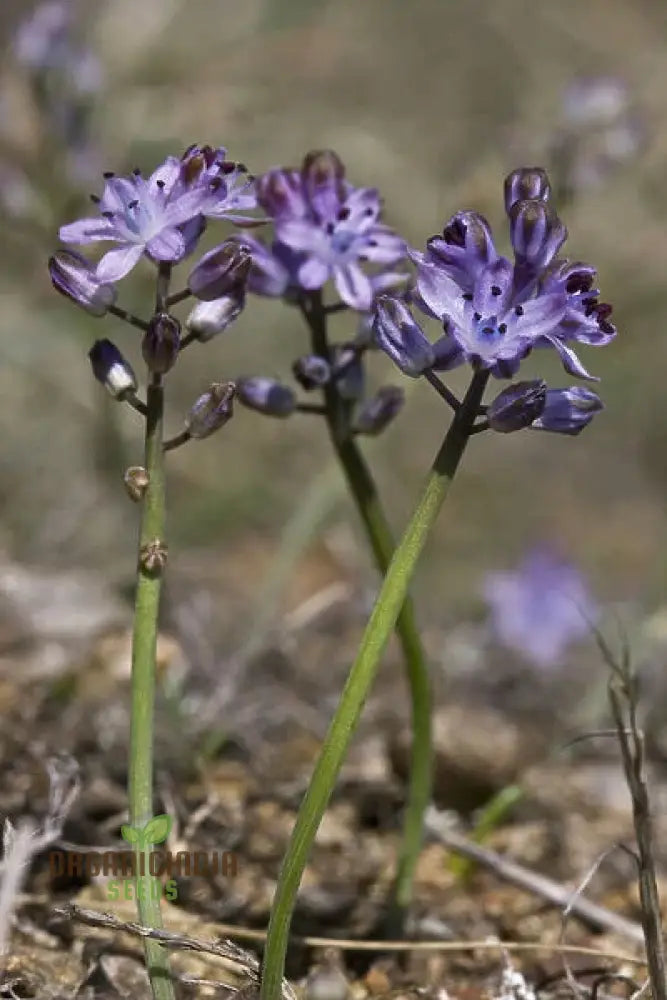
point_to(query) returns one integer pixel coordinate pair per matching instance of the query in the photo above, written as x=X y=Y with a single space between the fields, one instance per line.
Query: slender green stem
x=365 y=494
x=381 y=623
x=152 y=555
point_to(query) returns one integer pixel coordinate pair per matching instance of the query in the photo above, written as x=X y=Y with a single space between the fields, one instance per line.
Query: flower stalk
x=378 y=631
x=364 y=492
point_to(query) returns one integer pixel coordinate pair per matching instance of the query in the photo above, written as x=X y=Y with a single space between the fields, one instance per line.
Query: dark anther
x=372 y=243
x=95 y=199
x=330 y=228
x=108 y=174
x=579 y=283
x=137 y=171
x=518 y=310
x=133 y=204
x=496 y=290
x=108 y=215
x=343 y=214
x=369 y=211
x=455 y=234
x=160 y=184
x=189 y=150
x=477 y=316
x=502 y=328
x=467 y=296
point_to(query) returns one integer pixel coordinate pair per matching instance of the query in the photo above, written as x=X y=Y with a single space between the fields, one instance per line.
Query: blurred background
x=433 y=103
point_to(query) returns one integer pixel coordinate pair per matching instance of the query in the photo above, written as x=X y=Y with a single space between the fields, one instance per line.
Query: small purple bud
x=401 y=338
x=348 y=373
x=221 y=271
x=208 y=319
x=266 y=395
x=323 y=176
x=311 y=371
x=536 y=233
x=161 y=343
x=517 y=406
x=212 y=410
x=379 y=411
x=568 y=411
x=526 y=184
x=111 y=369
x=74 y=277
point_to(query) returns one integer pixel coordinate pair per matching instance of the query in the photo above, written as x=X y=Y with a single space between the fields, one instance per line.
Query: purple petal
x=354 y=287
x=448 y=354
x=539 y=317
x=571 y=362
x=298 y=234
x=493 y=288
x=312 y=273
x=441 y=293
x=169 y=245
x=87 y=231
x=118 y=262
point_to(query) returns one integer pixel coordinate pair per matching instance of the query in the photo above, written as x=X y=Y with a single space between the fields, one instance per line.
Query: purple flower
x=153 y=216
x=541 y=608
x=221 y=271
x=330 y=225
x=495 y=311
x=74 y=277
x=568 y=411
x=208 y=319
x=163 y=217
x=112 y=369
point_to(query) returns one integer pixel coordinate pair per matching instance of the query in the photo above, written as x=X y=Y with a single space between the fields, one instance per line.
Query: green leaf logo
x=130 y=833
x=157 y=829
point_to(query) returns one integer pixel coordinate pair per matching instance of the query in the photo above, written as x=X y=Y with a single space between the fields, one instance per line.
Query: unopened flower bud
x=517 y=406
x=311 y=371
x=161 y=343
x=208 y=319
x=536 y=233
x=568 y=411
x=74 y=277
x=136 y=481
x=266 y=395
x=111 y=369
x=212 y=410
x=222 y=271
x=379 y=411
x=399 y=336
x=526 y=183
x=348 y=373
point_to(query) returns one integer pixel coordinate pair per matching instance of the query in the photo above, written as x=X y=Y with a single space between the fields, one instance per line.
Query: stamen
x=369 y=211
x=108 y=174
x=518 y=310
x=477 y=316
x=467 y=296
x=133 y=204
x=137 y=171
x=330 y=228
x=95 y=199
x=496 y=290
x=455 y=234
x=502 y=328
x=344 y=214
x=108 y=215
x=160 y=184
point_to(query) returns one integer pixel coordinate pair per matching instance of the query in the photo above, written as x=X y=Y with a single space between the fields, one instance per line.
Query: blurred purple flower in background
x=541 y=608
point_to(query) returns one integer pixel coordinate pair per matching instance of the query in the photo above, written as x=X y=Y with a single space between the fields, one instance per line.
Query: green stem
x=152 y=553
x=381 y=623
x=365 y=494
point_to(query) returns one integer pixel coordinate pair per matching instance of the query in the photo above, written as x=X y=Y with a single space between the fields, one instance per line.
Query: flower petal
x=571 y=362
x=441 y=293
x=169 y=245
x=312 y=273
x=353 y=286
x=87 y=231
x=539 y=317
x=118 y=262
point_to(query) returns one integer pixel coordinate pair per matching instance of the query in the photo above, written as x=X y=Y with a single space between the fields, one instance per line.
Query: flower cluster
x=324 y=228
x=494 y=311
